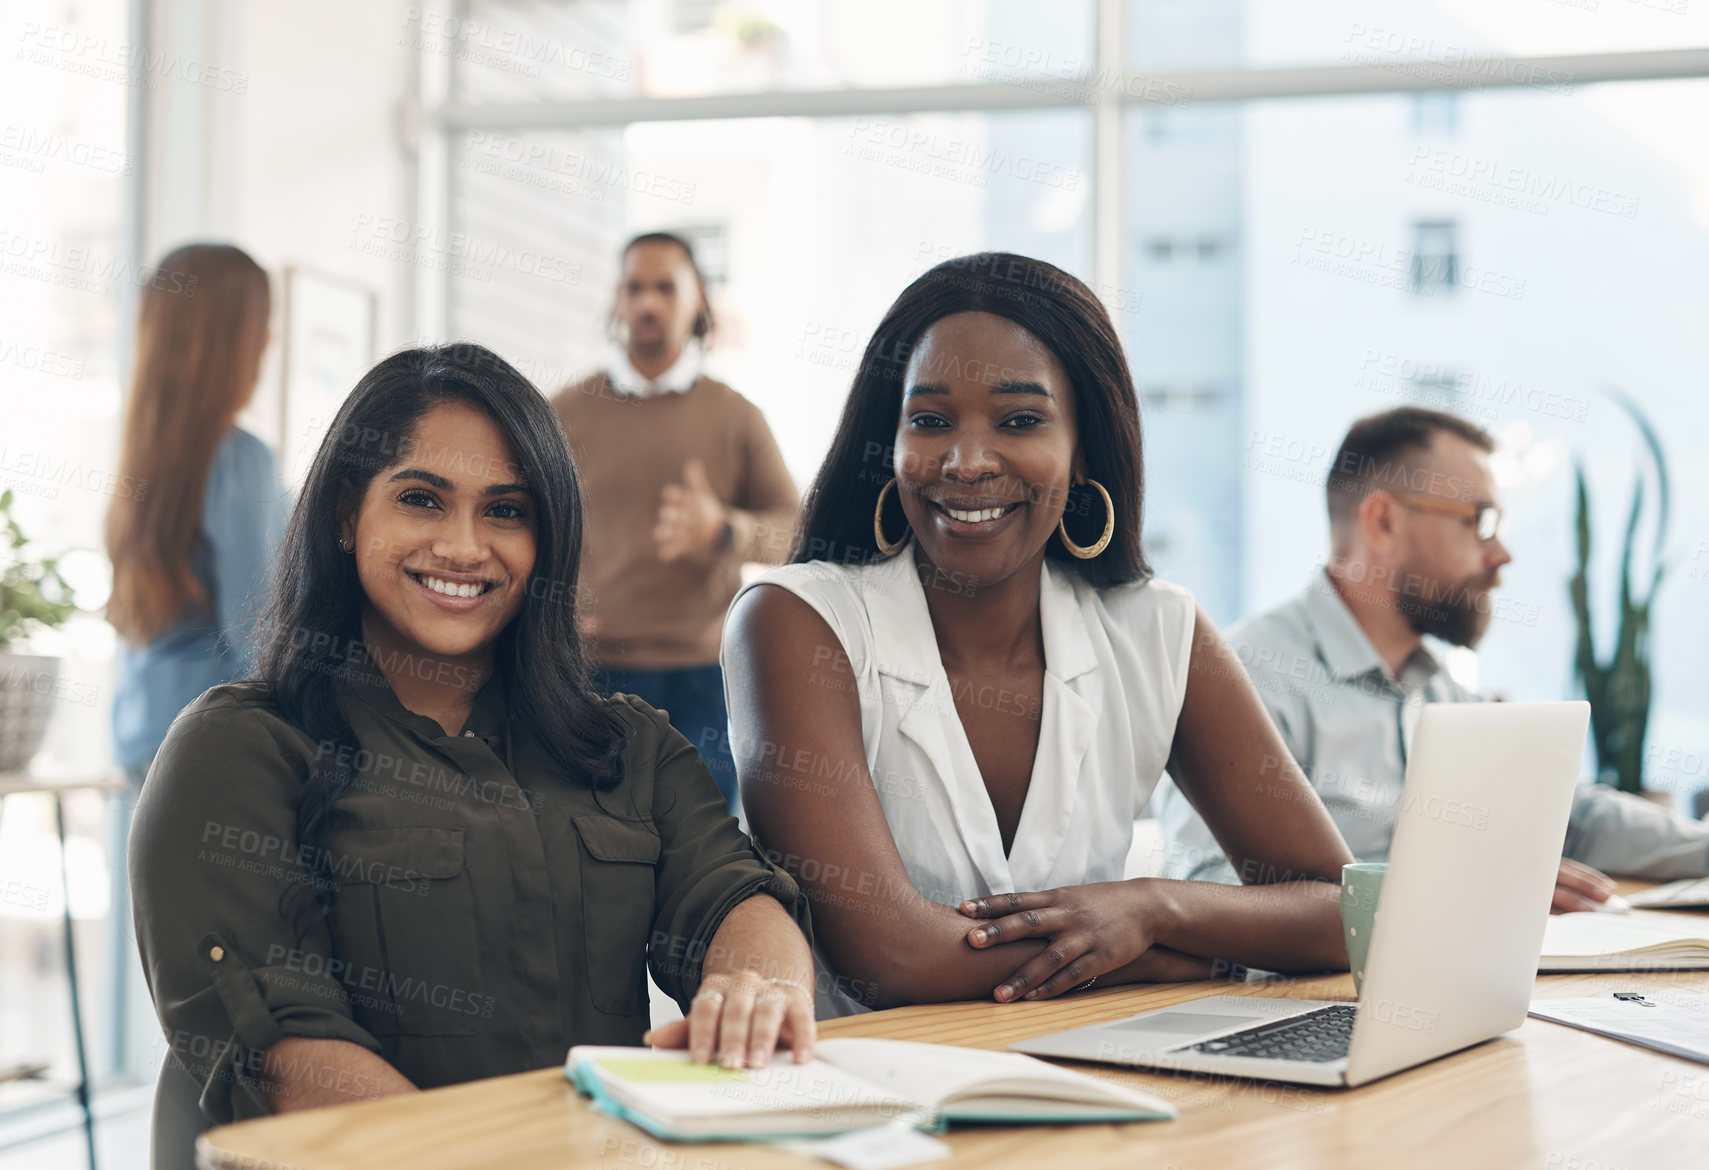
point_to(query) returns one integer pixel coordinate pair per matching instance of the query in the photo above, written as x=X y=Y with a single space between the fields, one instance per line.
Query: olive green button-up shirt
x=491 y=911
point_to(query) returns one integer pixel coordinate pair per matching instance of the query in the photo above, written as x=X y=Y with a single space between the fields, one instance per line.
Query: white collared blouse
x=1115 y=675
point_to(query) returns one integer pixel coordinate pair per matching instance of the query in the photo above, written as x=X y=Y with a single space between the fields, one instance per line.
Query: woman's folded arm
x=795 y=720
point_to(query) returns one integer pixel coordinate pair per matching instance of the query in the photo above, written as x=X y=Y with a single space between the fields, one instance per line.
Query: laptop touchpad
x=1184 y=1023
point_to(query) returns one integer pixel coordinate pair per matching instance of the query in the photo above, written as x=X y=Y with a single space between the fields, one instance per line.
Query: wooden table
x=1545 y=1096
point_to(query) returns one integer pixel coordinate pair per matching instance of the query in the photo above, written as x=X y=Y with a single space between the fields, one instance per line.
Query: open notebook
x=851 y=1083
x=1595 y=940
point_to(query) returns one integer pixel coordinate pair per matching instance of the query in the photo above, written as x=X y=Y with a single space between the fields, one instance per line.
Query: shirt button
x=467 y=733
x=216 y=954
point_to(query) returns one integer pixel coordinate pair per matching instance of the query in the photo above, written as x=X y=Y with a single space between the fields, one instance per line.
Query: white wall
x=291 y=151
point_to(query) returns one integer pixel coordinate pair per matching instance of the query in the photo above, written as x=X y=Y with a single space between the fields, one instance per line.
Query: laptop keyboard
x=1318 y=1036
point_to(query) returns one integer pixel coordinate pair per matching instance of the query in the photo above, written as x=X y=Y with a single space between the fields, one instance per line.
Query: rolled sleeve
x=211 y=853
x=707 y=866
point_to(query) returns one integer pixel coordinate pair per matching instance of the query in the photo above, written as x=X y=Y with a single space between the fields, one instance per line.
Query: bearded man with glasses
x=1344 y=668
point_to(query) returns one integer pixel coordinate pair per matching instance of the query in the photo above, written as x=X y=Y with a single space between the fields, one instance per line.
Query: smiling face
x=986 y=447
x=445 y=538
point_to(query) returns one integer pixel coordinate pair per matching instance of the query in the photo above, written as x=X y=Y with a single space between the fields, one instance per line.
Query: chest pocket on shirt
x=404 y=928
x=617 y=910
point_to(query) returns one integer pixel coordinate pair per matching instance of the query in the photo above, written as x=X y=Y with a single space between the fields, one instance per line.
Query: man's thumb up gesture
x=691 y=517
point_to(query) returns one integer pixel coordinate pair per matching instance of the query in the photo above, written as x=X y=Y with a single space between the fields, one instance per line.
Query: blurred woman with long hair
x=192 y=541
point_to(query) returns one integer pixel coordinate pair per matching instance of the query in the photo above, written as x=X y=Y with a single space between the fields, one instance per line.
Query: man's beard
x=1458 y=614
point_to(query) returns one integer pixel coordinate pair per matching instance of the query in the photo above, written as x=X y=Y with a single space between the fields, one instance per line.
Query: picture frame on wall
x=330 y=327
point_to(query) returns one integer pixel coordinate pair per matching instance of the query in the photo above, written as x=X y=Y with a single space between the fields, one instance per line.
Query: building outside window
x=1435 y=265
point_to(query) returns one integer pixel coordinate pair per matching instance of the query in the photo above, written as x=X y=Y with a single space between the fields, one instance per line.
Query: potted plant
x=1618 y=688
x=33 y=596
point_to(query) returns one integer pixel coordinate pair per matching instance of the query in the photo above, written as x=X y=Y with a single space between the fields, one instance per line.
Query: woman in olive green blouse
x=418 y=848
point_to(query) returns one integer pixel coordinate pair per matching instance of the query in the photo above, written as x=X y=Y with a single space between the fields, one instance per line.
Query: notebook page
x=936 y=1073
x=1591 y=932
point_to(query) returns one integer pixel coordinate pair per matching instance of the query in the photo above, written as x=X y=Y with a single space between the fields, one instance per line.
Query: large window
x=520 y=51
x=1562 y=235
x=773 y=202
x=1296 y=214
x=1443 y=222
x=1417 y=41
x=67 y=287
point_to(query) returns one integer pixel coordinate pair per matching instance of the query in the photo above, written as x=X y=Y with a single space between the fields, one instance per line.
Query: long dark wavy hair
x=313 y=619
x=1056 y=308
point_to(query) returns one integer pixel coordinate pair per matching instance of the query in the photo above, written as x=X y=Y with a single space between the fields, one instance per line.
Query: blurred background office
x=1297 y=214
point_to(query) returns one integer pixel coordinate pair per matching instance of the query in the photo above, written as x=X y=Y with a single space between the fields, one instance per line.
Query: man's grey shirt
x=1348 y=721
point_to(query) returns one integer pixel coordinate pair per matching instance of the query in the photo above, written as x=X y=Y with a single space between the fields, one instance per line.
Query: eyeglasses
x=1487 y=516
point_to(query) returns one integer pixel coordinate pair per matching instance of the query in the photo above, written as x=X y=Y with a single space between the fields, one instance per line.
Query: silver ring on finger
x=709 y=993
x=1085 y=985
x=793 y=985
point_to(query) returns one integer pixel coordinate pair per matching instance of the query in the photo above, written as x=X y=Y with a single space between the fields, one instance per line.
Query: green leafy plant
x=1619 y=687
x=33 y=594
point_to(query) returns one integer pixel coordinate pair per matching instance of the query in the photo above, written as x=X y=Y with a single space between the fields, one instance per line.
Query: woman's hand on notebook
x=1092 y=929
x=740 y=1019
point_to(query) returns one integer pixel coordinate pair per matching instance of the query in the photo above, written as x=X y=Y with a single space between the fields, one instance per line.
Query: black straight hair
x=1060 y=311
x=312 y=625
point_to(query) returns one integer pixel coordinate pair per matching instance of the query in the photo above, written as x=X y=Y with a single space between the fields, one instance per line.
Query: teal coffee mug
x=1361 y=883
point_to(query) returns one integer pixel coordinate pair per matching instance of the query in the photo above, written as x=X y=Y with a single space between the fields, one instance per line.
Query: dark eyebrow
x=999 y=388
x=445 y=485
x=438 y=481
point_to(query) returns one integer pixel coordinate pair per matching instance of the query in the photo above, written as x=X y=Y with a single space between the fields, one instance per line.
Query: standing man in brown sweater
x=682 y=484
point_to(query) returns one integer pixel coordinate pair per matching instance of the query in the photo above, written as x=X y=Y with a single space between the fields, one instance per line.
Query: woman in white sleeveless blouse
x=948 y=711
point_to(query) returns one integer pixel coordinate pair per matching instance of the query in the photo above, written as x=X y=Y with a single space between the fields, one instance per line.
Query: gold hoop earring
x=885 y=546
x=1092 y=550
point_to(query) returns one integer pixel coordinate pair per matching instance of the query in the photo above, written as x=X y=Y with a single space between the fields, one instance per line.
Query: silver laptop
x=1453 y=958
